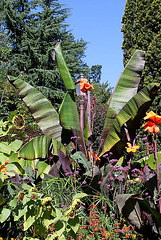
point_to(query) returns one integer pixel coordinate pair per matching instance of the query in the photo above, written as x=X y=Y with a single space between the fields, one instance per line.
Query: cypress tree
x=142 y=30
x=141 y=27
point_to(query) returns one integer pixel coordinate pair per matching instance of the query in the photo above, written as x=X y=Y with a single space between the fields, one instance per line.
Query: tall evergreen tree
x=142 y=30
x=95 y=73
x=35 y=28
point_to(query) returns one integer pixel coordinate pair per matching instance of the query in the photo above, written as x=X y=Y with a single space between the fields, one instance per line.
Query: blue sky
x=98 y=22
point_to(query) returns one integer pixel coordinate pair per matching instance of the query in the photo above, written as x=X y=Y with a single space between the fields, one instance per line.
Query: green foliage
x=141 y=30
x=95 y=73
x=35 y=28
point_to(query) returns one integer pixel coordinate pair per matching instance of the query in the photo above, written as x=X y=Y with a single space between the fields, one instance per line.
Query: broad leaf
x=4 y=214
x=41 y=147
x=79 y=195
x=131 y=114
x=127 y=85
x=37 y=147
x=132 y=206
x=64 y=71
x=150 y=161
x=125 y=89
x=65 y=161
x=81 y=158
x=69 y=119
x=42 y=110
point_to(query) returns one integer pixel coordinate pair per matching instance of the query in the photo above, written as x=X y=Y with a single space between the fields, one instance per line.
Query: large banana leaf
x=41 y=147
x=69 y=118
x=64 y=71
x=42 y=110
x=131 y=114
x=125 y=89
x=37 y=147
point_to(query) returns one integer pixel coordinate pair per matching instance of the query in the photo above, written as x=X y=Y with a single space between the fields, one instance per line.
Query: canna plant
x=126 y=107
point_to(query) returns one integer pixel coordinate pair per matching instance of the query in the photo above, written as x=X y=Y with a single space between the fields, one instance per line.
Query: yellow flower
x=131 y=148
x=71 y=214
x=2 y=169
x=46 y=201
x=133 y=236
x=76 y=204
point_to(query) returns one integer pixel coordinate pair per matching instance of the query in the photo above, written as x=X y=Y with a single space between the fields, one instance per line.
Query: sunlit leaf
x=4 y=214
x=37 y=147
x=125 y=89
x=42 y=110
x=80 y=195
x=131 y=114
x=64 y=71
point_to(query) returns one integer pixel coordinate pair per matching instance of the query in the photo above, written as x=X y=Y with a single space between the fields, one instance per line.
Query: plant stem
x=157 y=166
x=156 y=159
x=126 y=174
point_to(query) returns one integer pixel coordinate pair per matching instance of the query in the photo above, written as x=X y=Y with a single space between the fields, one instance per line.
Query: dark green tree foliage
x=95 y=73
x=36 y=26
x=142 y=30
x=6 y=103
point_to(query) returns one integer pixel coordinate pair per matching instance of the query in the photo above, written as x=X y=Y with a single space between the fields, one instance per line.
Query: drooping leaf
x=74 y=224
x=4 y=148
x=42 y=110
x=131 y=114
x=59 y=227
x=132 y=206
x=64 y=160
x=20 y=213
x=37 y=147
x=64 y=71
x=125 y=89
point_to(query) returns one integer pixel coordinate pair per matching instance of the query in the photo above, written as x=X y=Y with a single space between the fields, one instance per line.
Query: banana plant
x=126 y=107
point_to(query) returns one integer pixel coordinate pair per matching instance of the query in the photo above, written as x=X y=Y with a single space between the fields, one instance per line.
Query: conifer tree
x=35 y=27
x=142 y=30
x=141 y=27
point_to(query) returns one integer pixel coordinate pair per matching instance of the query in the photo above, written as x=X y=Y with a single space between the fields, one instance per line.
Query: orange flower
x=131 y=148
x=2 y=169
x=85 y=86
x=151 y=125
x=96 y=157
